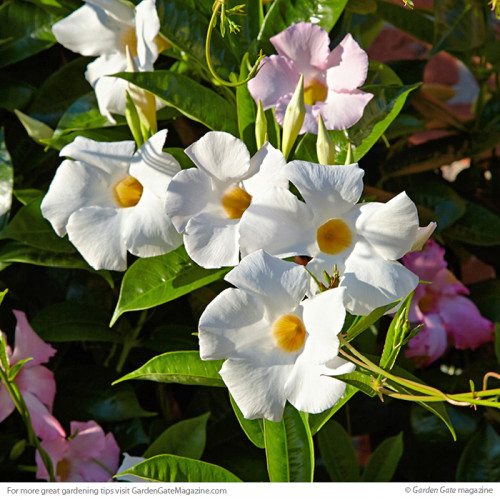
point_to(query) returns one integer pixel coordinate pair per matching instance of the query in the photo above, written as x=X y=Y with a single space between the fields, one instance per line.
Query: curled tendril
x=217 y=5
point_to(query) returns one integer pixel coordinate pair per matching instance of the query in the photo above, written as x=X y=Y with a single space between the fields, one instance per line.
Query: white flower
x=127 y=463
x=278 y=347
x=105 y=28
x=206 y=203
x=363 y=240
x=109 y=199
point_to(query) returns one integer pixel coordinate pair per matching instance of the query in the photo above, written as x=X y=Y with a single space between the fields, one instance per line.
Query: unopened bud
x=294 y=118
x=324 y=145
x=260 y=126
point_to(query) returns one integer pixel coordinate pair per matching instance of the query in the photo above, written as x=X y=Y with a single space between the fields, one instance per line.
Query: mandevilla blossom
x=363 y=241
x=87 y=455
x=277 y=346
x=331 y=78
x=35 y=382
x=105 y=28
x=109 y=199
x=206 y=203
x=449 y=318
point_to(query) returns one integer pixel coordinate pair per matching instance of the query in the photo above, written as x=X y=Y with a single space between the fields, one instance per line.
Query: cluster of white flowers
x=277 y=330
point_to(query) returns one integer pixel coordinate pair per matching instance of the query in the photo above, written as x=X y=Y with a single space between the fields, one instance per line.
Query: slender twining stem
x=211 y=25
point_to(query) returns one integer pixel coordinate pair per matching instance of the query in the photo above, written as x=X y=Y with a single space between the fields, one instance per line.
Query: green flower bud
x=294 y=118
x=260 y=126
x=324 y=145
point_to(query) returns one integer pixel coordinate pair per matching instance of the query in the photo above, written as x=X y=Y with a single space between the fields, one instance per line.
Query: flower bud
x=294 y=118
x=260 y=126
x=324 y=145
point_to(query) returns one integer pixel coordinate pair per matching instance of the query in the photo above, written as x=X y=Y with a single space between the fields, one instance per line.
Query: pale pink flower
x=35 y=382
x=448 y=317
x=88 y=455
x=331 y=78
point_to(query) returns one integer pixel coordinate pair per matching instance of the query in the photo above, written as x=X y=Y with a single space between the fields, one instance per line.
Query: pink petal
x=347 y=65
x=7 y=405
x=29 y=344
x=38 y=381
x=44 y=423
x=277 y=77
x=310 y=119
x=464 y=322
x=447 y=284
x=430 y=343
x=110 y=455
x=56 y=449
x=428 y=262
x=342 y=110
x=89 y=441
x=307 y=45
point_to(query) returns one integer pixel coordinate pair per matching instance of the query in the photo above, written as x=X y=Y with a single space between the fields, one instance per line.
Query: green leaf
x=36 y=129
x=246 y=110
x=480 y=460
x=289 y=447
x=71 y=321
x=186 y=438
x=26 y=30
x=156 y=280
x=338 y=453
x=193 y=100
x=384 y=460
x=360 y=380
x=182 y=367
x=252 y=428
x=82 y=114
x=6 y=181
x=479 y=226
x=29 y=227
x=172 y=469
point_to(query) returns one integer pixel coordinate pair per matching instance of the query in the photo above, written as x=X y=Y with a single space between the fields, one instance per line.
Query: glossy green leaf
x=480 y=460
x=338 y=453
x=479 y=226
x=186 y=438
x=289 y=447
x=36 y=129
x=252 y=428
x=29 y=227
x=15 y=92
x=195 y=101
x=6 y=182
x=82 y=114
x=384 y=460
x=157 y=280
x=183 y=367
x=173 y=469
x=360 y=380
x=71 y=321
x=26 y=30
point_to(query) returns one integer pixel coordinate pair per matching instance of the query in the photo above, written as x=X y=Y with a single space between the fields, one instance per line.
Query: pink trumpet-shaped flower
x=87 y=456
x=449 y=318
x=35 y=382
x=331 y=78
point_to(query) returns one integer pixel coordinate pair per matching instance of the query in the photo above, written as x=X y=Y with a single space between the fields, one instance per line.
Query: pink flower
x=87 y=455
x=35 y=382
x=449 y=318
x=331 y=78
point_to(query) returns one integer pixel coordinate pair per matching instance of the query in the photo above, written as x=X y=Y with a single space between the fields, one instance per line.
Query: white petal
x=282 y=285
x=233 y=326
x=310 y=389
x=267 y=170
x=188 y=194
x=257 y=390
x=107 y=64
x=372 y=282
x=221 y=155
x=328 y=190
x=279 y=223
x=97 y=234
x=324 y=316
x=108 y=156
x=212 y=242
x=111 y=94
x=323 y=262
x=152 y=167
x=423 y=234
x=147 y=229
x=116 y=8
x=75 y=185
x=147 y=27
x=390 y=227
x=88 y=31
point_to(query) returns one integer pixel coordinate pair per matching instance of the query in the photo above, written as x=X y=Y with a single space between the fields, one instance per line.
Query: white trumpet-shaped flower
x=109 y=199
x=105 y=28
x=206 y=203
x=277 y=346
x=361 y=240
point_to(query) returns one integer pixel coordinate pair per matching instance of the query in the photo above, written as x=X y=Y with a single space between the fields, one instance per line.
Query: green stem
x=131 y=341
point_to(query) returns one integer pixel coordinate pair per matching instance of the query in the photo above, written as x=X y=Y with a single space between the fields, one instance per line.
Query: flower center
x=314 y=91
x=428 y=303
x=129 y=38
x=289 y=332
x=235 y=201
x=62 y=469
x=334 y=237
x=128 y=192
